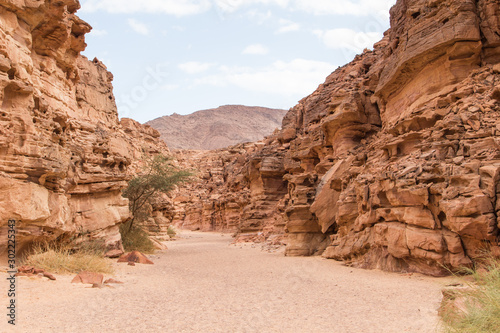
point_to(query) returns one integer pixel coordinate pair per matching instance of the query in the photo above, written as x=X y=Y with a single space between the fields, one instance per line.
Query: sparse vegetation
x=136 y=239
x=67 y=258
x=159 y=176
x=171 y=232
x=480 y=311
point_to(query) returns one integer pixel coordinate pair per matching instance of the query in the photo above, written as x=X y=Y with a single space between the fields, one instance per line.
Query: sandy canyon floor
x=204 y=284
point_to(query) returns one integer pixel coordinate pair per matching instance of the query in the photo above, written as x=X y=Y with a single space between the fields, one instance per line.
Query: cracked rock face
x=64 y=156
x=239 y=189
x=394 y=161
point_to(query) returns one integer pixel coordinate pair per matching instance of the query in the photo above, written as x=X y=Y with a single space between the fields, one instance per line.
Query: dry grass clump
x=171 y=231
x=136 y=239
x=477 y=308
x=68 y=259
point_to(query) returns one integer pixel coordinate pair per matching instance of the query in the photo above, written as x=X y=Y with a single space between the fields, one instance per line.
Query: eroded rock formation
x=400 y=147
x=64 y=156
x=238 y=189
x=394 y=161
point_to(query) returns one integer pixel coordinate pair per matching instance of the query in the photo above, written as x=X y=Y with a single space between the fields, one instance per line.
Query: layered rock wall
x=239 y=190
x=394 y=161
x=64 y=156
x=396 y=156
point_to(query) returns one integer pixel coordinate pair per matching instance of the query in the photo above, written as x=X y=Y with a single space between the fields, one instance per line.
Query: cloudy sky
x=187 y=55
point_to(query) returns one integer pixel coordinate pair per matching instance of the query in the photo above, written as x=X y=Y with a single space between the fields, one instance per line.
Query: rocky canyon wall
x=64 y=155
x=239 y=189
x=392 y=163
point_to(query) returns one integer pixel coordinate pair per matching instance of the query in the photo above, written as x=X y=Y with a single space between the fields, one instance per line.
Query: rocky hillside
x=218 y=128
x=64 y=155
x=392 y=163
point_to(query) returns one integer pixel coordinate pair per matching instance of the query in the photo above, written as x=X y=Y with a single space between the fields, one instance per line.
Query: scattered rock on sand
x=88 y=278
x=32 y=271
x=135 y=257
x=115 y=253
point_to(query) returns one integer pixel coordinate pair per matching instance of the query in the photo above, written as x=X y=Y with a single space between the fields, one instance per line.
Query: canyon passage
x=202 y=283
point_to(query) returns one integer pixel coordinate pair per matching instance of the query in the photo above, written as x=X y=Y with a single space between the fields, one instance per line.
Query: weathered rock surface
x=88 y=278
x=395 y=160
x=64 y=156
x=135 y=257
x=218 y=128
x=30 y=271
x=392 y=163
x=239 y=189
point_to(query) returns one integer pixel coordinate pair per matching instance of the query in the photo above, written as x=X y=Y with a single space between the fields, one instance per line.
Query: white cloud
x=348 y=40
x=97 y=32
x=170 y=87
x=256 y=49
x=194 y=67
x=230 y=6
x=287 y=26
x=343 y=7
x=259 y=17
x=138 y=27
x=298 y=77
x=193 y=7
x=172 y=7
x=315 y=7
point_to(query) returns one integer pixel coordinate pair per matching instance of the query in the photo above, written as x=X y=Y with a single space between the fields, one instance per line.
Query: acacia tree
x=158 y=176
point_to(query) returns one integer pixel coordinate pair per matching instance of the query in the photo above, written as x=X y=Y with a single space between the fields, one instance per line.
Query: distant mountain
x=218 y=128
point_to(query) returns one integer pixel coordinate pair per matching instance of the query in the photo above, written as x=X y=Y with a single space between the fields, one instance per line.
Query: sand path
x=203 y=284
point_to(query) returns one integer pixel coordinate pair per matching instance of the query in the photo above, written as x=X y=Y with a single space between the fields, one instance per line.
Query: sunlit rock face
x=239 y=189
x=394 y=161
x=64 y=156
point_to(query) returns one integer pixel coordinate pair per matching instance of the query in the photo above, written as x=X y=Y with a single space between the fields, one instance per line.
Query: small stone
x=88 y=278
x=135 y=257
x=115 y=253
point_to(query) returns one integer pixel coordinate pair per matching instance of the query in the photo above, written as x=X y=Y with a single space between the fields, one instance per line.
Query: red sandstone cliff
x=393 y=162
x=64 y=156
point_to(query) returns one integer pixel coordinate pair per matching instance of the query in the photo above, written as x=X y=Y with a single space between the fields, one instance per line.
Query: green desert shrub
x=171 y=232
x=136 y=239
x=480 y=312
x=158 y=176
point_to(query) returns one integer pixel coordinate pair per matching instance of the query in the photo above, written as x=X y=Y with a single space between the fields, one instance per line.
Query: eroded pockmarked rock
x=393 y=162
x=64 y=155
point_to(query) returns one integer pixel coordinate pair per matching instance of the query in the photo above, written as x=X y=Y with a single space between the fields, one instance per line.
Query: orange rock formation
x=64 y=156
x=393 y=162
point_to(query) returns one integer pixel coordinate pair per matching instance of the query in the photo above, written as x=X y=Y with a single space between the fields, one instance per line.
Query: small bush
x=482 y=303
x=171 y=232
x=61 y=259
x=158 y=176
x=136 y=239
x=95 y=246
